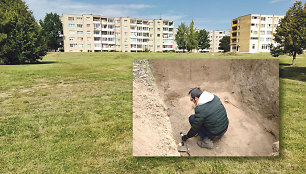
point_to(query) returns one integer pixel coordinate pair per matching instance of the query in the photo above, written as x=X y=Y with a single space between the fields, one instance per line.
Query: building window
x=80 y=38
x=88 y=45
x=263 y=18
x=254 y=17
x=125 y=27
x=158 y=29
x=253 y=46
x=71 y=38
x=87 y=18
x=268 y=39
x=88 y=38
x=71 y=32
x=264 y=46
x=88 y=32
x=96 y=32
x=79 y=18
x=255 y=32
x=117 y=27
x=79 y=25
x=80 y=45
x=117 y=21
x=70 y=18
x=238 y=34
x=158 y=35
x=72 y=45
x=263 y=25
x=125 y=21
x=125 y=46
x=262 y=39
x=269 y=32
x=158 y=46
x=79 y=32
x=252 y=24
x=88 y=25
x=262 y=32
x=71 y=25
x=254 y=38
x=238 y=27
x=125 y=33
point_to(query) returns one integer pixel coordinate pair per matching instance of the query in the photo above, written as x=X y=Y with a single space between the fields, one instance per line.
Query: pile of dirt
x=152 y=133
x=248 y=90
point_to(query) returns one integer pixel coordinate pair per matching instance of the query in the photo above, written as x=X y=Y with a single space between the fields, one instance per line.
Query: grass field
x=73 y=113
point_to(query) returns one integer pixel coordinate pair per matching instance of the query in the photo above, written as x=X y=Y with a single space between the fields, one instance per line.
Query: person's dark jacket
x=209 y=113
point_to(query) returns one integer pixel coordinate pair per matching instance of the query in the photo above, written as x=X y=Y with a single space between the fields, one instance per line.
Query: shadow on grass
x=293 y=73
x=34 y=63
x=43 y=62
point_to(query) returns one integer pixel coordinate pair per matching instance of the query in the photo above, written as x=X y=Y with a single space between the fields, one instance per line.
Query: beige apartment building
x=215 y=36
x=95 y=33
x=253 y=33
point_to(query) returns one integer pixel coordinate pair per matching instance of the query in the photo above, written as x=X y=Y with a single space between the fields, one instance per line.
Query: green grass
x=73 y=113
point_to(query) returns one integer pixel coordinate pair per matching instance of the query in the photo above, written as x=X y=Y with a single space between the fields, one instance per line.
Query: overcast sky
x=207 y=14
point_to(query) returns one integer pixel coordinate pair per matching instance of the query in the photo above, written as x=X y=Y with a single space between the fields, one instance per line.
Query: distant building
x=215 y=36
x=253 y=33
x=95 y=33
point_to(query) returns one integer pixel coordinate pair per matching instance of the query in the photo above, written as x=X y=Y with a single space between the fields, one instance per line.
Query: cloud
x=277 y=1
x=41 y=7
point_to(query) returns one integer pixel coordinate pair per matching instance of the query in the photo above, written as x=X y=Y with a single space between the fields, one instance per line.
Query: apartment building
x=253 y=33
x=215 y=36
x=95 y=33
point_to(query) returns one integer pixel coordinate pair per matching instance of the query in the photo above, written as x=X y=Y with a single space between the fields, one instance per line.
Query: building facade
x=95 y=33
x=253 y=33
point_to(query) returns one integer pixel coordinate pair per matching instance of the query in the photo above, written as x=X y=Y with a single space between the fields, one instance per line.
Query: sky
x=207 y=14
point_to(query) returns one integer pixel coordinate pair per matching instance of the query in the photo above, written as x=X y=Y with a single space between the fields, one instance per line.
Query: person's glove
x=184 y=138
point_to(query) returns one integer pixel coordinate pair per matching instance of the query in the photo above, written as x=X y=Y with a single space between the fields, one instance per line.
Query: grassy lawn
x=73 y=113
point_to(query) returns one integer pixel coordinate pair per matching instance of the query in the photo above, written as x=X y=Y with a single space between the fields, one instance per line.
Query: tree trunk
x=294 y=56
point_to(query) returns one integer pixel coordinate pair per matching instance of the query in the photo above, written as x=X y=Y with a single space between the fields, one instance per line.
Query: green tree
x=203 y=40
x=291 y=32
x=192 y=42
x=181 y=37
x=225 y=44
x=51 y=30
x=20 y=36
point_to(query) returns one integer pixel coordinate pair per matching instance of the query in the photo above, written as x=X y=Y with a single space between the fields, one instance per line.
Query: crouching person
x=210 y=119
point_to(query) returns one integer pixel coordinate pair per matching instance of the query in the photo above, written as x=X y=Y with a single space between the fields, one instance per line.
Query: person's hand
x=184 y=138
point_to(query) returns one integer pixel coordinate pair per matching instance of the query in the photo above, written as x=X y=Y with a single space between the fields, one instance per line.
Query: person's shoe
x=206 y=143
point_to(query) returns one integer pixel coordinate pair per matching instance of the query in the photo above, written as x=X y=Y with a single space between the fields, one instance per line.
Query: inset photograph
x=206 y=107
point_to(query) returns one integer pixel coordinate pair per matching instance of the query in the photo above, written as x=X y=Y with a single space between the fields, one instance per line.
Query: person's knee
x=191 y=118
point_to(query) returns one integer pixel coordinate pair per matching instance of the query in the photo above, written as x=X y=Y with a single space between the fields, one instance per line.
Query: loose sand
x=247 y=88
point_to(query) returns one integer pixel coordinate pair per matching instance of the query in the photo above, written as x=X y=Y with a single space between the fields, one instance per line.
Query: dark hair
x=195 y=92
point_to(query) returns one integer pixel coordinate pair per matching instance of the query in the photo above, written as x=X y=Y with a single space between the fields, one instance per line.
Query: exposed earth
x=161 y=106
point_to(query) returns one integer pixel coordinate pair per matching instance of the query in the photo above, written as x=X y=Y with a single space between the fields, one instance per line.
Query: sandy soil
x=152 y=133
x=247 y=88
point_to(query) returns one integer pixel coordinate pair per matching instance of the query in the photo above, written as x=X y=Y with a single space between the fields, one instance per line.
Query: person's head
x=195 y=94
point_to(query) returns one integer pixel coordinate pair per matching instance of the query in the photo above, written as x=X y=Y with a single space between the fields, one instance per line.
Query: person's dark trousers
x=203 y=131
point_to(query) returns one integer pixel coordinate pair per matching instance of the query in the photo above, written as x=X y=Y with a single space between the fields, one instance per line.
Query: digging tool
x=182 y=144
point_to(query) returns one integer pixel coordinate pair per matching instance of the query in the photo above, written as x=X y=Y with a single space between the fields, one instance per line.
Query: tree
x=181 y=36
x=203 y=40
x=192 y=42
x=291 y=32
x=20 y=36
x=51 y=30
x=225 y=44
